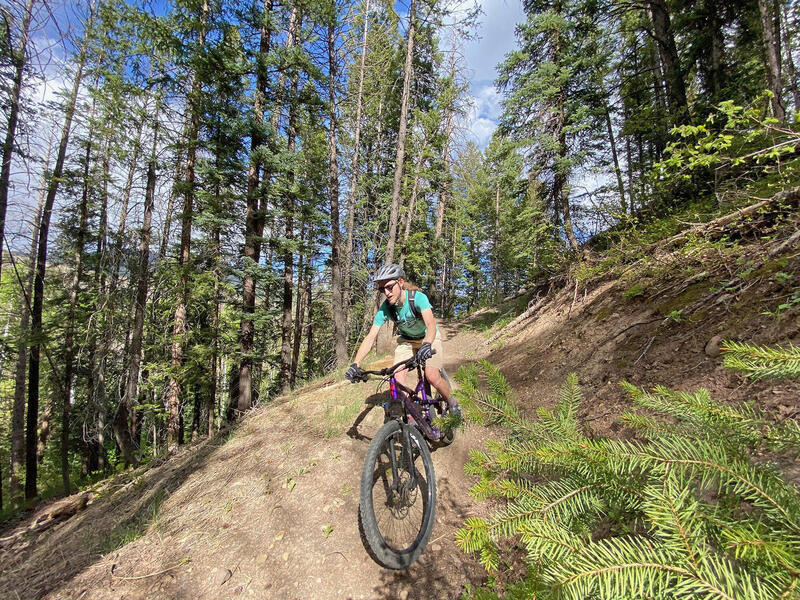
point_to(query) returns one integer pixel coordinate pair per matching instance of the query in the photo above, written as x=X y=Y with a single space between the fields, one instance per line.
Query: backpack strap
x=411 y=305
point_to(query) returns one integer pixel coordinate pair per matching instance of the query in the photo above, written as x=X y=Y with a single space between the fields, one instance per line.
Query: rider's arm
x=430 y=325
x=366 y=345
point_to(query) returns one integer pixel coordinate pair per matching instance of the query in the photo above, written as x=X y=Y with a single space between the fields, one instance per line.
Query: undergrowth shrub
x=684 y=511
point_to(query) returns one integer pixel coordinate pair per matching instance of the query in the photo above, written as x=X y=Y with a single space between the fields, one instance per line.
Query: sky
x=495 y=38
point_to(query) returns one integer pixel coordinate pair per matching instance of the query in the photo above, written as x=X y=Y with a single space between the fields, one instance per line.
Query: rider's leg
x=402 y=352
x=433 y=371
x=434 y=376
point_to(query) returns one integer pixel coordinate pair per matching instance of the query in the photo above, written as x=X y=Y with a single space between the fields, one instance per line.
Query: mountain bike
x=397 y=503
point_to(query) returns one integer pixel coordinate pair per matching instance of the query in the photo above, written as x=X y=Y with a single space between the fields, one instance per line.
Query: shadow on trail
x=374 y=401
x=120 y=513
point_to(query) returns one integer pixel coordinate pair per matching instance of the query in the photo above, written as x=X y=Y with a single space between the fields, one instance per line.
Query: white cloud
x=495 y=38
x=481 y=130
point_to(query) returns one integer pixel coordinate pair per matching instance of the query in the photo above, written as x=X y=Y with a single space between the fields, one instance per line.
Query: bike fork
x=409 y=456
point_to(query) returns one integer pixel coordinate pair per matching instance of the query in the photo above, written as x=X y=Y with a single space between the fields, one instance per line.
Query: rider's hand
x=354 y=373
x=424 y=353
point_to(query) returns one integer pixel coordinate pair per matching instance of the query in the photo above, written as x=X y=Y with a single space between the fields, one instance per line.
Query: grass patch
x=336 y=420
x=132 y=529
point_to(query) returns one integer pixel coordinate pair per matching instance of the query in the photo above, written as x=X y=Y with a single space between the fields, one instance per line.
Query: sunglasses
x=387 y=287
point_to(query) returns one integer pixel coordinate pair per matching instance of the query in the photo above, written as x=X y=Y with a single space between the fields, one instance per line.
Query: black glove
x=424 y=353
x=354 y=373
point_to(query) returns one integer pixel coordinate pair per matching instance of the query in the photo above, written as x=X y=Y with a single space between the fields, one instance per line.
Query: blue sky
x=495 y=38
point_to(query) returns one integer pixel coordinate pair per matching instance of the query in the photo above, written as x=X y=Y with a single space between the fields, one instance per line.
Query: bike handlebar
x=409 y=364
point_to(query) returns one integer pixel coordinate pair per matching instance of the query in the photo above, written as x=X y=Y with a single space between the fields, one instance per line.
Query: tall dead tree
x=400 y=153
x=53 y=180
x=254 y=218
x=174 y=422
x=351 y=199
x=122 y=433
x=338 y=307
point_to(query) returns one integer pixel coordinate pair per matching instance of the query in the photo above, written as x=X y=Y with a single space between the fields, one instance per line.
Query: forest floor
x=268 y=508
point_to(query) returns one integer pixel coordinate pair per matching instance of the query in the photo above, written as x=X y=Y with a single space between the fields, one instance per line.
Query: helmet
x=390 y=271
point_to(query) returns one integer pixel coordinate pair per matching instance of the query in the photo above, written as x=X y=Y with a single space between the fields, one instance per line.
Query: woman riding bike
x=419 y=336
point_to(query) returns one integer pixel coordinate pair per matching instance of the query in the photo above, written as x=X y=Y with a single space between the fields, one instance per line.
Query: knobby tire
x=384 y=510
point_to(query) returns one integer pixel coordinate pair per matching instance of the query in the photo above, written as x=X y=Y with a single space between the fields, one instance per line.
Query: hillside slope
x=265 y=510
x=268 y=509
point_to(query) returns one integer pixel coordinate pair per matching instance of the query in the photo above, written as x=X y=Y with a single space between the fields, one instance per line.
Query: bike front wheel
x=398 y=495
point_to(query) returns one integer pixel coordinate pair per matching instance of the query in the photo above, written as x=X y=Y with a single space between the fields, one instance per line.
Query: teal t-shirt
x=408 y=325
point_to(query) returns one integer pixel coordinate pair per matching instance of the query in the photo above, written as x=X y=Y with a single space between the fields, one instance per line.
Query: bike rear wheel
x=398 y=495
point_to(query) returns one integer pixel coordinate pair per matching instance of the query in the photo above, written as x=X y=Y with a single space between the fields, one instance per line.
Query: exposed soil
x=268 y=509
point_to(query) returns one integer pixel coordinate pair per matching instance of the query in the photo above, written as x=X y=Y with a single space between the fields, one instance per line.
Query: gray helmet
x=390 y=271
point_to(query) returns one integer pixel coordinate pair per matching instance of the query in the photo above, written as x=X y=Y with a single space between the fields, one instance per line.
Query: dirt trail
x=268 y=511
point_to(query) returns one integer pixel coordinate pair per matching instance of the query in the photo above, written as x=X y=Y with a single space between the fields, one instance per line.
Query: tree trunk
x=351 y=201
x=175 y=420
x=18 y=411
x=615 y=158
x=254 y=223
x=412 y=203
x=338 y=307
x=299 y=309
x=18 y=60
x=131 y=395
x=41 y=264
x=772 y=60
x=69 y=335
x=673 y=74
x=162 y=250
x=288 y=265
x=787 y=44
x=444 y=196
x=401 y=135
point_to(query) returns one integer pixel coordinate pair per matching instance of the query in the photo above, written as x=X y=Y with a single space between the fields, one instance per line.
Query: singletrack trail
x=267 y=511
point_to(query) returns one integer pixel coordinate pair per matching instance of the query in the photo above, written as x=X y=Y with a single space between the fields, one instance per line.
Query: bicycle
x=397 y=502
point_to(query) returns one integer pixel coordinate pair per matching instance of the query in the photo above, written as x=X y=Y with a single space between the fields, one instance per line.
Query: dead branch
x=792 y=197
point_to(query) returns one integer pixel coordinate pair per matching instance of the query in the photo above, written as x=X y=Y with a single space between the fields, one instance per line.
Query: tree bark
x=288 y=264
x=351 y=200
x=31 y=465
x=401 y=135
x=772 y=60
x=673 y=74
x=175 y=421
x=254 y=221
x=338 y=307
x=18 y=60
x=787 y=44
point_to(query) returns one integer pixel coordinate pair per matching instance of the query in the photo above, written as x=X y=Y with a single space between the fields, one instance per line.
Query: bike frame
x=413 y=398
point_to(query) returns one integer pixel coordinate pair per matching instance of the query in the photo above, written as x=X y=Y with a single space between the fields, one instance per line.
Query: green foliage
x=684 y=512
x=759 y=362
x=741 y=139
x=635 y=291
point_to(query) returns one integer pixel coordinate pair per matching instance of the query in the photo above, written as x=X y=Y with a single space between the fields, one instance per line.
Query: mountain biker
x=419 y=336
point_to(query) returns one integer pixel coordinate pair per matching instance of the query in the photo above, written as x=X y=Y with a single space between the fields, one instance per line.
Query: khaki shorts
x=408 y=348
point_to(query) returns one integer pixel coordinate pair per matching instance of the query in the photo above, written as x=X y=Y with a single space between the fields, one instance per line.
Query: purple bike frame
x=425 y=403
